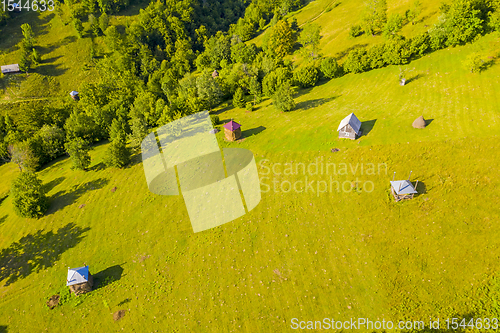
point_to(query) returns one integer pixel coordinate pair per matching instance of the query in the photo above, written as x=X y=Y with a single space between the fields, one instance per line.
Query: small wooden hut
x=232 y=130
x=10 y=69
x=79 y=280
x=215 y=74
x=403 y=189
x=74 y=95
x=350 y=127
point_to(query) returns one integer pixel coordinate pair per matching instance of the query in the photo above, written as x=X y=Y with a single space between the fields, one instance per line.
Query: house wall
x=347 y=133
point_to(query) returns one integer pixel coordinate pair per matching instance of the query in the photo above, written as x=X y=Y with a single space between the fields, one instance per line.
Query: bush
x=376 y=56
x=306 y=76
x=474 y=63
x=215 y=120
x=28 y=196
x=356 y=61
x=330 y=68
x=283 y=98
x=420 y=44
x=249 y=106
x=274 y=79
x=355 y=31
x=397 y=52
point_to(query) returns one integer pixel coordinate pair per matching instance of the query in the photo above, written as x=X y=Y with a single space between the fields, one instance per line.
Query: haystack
x=232 y=131
x=419 y=122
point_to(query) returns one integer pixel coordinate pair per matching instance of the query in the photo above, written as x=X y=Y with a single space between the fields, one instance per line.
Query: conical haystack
x=419 y=122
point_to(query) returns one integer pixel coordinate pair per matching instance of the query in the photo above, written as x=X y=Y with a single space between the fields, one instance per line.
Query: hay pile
x=419 y=122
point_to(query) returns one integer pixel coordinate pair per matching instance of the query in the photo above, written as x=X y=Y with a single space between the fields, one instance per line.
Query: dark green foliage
x=52 y=142
x=79 y=125
x=397 y=52
x=464 y=21
x=420 y=44
x=215 y=120
x=376 y=56
x=35 y=57
x=274 y=79
x=249 y=106
x=239 y=98
x=77 y=24
x=28 y=196
x=306 y=76
x=29 y=36
x=255 y=90
x=208 y=91
x=117 y=155
x=355 y=31
x=243 y=53
x=330 y=68
x=357 y=61
x=283 y=98
x=24 y=61
x=78 y=150
x=139 y=130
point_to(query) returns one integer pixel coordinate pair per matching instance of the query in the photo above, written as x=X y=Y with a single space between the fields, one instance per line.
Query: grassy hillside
x=340 y=254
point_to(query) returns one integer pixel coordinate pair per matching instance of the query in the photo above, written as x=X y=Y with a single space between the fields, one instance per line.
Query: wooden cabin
x=403 y=189
x=350 y=127
x=232 y=131
x=215 y=74
x=79 y=280
x=10 y=69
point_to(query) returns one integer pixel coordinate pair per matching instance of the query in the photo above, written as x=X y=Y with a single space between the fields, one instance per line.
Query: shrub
x=283 y=98
x=274 y=79
x=117 y=154
x=215 y=120
x=474 y=63
x=375 y=56
x=330 y=68
x=397 y=52
x=356 y=61
x=249 y=106
x=420 y=44
x=306 y=76
x=355 y=31
x=28 y=196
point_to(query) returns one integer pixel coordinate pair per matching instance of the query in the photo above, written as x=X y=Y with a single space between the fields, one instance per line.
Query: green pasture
x=350 y=252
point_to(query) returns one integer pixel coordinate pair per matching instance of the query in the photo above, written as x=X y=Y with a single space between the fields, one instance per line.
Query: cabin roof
x=73 y=93
x=403 y=187
x=14 y=68
x=77 y=275
x=351 y=120
x=232 y=125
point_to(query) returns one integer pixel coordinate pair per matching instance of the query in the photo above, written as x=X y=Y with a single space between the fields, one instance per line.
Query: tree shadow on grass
x=97 y=167
x=253 y=131
x=414 y=78
x=64 y=198
x=3 y=219
x=53 y=183
x=367 y=126
x=38 y=251
x=421 y=188
x=107 y=276
x=3 y=329
x=342 y=54
x=305 y=105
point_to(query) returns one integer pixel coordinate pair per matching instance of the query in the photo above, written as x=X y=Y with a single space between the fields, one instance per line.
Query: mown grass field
x=311 y=255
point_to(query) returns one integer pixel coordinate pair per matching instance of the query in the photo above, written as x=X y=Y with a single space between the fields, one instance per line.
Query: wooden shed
x=10 y=69
x=74 y=95
x=215 y=74
x=79 y=280
x=403 y=189
x=350 y=127
x=232 y=130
